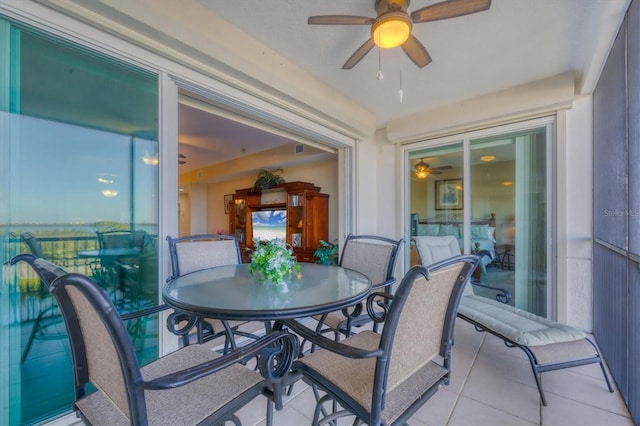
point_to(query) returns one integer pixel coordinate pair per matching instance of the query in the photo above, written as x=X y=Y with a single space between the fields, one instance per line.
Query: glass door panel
x=508 y=182
x=498 y=212
x=436 y=194
x=81 y=159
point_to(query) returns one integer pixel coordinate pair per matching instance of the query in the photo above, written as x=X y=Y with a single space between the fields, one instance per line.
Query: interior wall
x=184 y=214
x=578 y=223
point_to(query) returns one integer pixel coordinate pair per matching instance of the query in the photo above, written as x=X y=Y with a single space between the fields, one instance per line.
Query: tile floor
x=491 y=385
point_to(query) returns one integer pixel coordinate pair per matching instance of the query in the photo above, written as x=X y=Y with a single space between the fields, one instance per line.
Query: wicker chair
x=384 y=378
x=196 y=252
x=193 y=385
x=374 y=257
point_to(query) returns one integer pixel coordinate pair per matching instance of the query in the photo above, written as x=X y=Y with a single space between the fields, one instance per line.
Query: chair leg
x=32 y=336
x=269 y=412
x=606 y=376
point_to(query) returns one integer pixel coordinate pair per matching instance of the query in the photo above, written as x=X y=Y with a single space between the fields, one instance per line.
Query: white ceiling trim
x=245 y=105
x=515 y=104
x=212 y=109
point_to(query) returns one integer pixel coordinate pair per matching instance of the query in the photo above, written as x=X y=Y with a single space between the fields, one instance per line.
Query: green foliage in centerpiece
x=273 y=261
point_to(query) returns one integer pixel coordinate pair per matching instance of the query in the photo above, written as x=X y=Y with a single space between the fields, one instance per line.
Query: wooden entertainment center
x=305 y=208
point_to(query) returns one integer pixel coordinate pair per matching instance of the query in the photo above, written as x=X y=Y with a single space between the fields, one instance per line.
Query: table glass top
x=230 y=292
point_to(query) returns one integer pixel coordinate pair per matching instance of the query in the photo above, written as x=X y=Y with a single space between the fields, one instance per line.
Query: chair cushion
x=517 y=325
x=435 y=249
x=353 y=376
x=189 y=404
x=198 y=255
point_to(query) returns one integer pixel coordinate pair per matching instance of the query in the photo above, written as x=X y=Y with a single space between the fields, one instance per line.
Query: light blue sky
x=54 y=171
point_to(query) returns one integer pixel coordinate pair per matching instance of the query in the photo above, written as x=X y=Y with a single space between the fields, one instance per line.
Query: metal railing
x=26 y=292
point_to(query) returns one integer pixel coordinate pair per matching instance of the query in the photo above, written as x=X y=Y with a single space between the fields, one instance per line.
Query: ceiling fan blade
x=340 y=20
x=441 y=168
x=416 y=51
x=434 y=172
x=449 y=9
x=359 y=54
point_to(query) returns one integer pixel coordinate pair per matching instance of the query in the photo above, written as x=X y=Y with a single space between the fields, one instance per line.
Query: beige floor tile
x=502 y=393
x=507 y=366
x=583 y=388
x=287 y=417
x=437 y=410
x=471 y=412
x=566 y=412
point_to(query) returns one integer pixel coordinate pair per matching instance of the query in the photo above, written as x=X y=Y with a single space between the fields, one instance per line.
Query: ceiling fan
x=423 y=169
x=392 y=25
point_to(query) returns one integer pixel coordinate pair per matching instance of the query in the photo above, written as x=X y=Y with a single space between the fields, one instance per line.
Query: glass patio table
x=232 y=293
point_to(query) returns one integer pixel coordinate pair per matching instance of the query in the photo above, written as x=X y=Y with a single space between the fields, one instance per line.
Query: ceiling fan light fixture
x=391 y=30
x=150 y=160
x=422 y=170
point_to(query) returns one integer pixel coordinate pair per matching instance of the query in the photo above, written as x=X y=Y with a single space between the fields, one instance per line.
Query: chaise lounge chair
x=549 y=345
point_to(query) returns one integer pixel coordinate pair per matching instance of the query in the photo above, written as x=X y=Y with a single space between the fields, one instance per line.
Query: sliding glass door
x=490 y=193
x=80 y=160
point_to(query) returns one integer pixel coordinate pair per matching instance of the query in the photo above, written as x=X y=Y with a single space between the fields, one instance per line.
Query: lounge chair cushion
x=521 y=327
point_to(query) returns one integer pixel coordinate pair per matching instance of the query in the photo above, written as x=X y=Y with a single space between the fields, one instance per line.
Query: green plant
x=268 y=179
x=327 y=253
x=273 y=261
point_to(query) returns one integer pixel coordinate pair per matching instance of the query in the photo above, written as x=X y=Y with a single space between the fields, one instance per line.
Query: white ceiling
x=512 y=43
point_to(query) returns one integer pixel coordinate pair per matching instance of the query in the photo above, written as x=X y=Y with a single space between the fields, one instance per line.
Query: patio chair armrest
x=380 y=300
x=503 y=295
x=276 y=352
x=317 y=339
x=385 y=286
x=144 y=312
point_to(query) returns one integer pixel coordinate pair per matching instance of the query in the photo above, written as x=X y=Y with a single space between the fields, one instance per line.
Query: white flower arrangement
x=273 y=260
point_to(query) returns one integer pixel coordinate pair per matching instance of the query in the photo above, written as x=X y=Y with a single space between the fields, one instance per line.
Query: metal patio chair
x=373 y=256
x=384 y=378
x=48 y=318
x=197 y=252
x=193 y=385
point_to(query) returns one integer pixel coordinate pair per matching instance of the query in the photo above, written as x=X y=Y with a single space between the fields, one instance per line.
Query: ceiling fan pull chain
x=379 y=76
x=400 y=92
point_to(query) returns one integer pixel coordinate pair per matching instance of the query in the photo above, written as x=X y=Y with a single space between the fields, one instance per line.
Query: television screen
x=269 y=224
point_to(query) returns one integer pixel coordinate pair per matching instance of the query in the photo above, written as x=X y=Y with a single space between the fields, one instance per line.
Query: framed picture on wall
x=449 y=194
x=227 y=199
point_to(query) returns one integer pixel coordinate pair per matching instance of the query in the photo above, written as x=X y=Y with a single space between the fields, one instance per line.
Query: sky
x=54 y=170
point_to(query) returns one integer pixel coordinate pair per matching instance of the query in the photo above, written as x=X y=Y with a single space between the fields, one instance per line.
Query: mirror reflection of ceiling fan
x=392 y=25
x=423 y=169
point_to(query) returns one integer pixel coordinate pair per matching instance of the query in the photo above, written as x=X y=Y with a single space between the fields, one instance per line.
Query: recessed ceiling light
x=488 y=157
x=507 y=183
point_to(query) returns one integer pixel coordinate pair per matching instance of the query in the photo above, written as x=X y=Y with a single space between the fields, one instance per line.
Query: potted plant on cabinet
x=268 y=179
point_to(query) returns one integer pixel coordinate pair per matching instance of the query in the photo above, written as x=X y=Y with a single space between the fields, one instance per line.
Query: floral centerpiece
x=273 y=261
